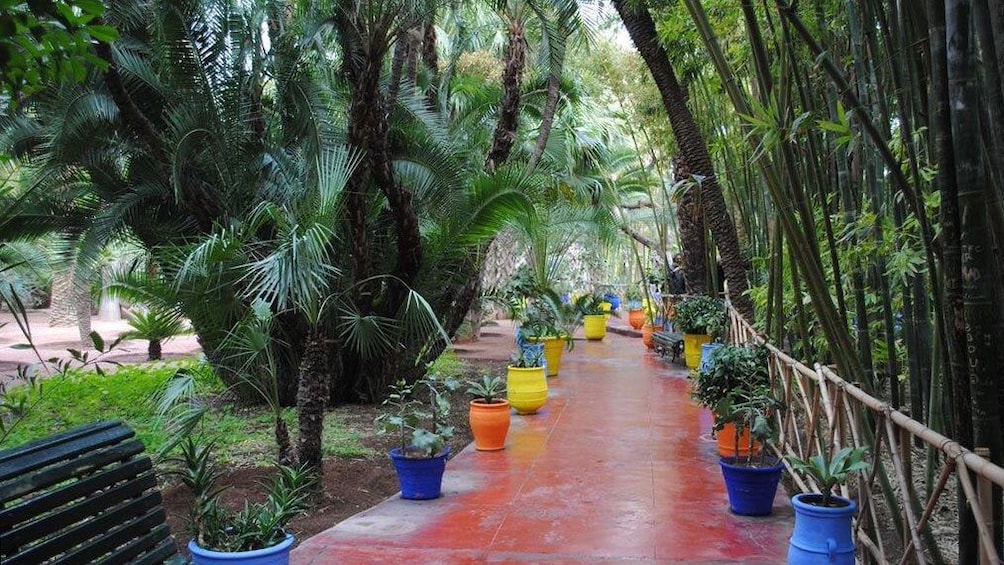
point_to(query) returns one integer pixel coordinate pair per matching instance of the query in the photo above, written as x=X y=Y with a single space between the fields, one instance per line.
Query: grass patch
x=244 y=435
x=449 y=365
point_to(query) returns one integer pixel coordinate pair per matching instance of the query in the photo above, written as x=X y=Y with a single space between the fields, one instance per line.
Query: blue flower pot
x=534 y=350
x=707 y=360
x=614 y=300
x=421 y=479
x=275 y=555
x=822 y=534
x=751 y=489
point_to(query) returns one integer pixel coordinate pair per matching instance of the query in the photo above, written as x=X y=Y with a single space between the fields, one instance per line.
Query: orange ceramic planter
x=636 y=318
x=727 y=442
x=646 y=334
x=489 y=424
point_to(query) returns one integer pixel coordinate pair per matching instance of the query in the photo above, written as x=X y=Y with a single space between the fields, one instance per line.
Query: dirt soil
x=350 y=485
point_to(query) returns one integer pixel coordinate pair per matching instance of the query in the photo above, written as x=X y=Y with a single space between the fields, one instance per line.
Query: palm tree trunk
x=154 y=351
x=311 y=399
x=692 y=232
x=547 y=118
x=641 y=28
x=514 y=61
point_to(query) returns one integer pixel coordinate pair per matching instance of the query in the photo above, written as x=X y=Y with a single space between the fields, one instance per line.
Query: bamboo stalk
x=986 y=537
x=946 y=471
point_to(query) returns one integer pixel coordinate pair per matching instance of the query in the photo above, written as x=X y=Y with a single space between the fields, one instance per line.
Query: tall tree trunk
x=641 y=28
x=975 y=237
x=692 y=232
x=949 y=69
x=514 y=62
x=311 y=399
x=547 y=118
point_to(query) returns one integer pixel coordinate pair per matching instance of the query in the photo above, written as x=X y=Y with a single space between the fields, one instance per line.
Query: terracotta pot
x=636 y=318
x=526 y=389
x=553 y=349
x=692 y=348
x=727 y=442
x=646 y=334
x=489 y=424
x=595 y=326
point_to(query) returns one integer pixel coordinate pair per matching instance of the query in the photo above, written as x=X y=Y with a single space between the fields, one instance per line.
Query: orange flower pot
x=489 y=424
x=646 y=334
x=727 y=442
x=636 y=318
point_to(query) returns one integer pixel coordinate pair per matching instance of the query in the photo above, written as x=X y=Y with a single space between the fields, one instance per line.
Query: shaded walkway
x=616 y=467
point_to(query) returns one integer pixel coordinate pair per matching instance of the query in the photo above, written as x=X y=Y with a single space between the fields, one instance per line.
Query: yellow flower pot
x=526 y=389
x=692 y=348
x=553 y=348
x=595 y=326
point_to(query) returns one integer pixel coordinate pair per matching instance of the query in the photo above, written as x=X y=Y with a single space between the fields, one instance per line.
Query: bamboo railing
x=825 y=412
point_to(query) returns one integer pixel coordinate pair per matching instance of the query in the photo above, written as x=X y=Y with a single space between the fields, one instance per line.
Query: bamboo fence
x=825 y=412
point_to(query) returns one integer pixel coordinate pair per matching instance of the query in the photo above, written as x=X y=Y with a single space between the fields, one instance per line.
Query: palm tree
x=694 y=150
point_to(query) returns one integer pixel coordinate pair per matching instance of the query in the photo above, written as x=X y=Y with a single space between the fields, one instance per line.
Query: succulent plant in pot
x=551 y=328
x=594 y=317
x=418 y=414
x=823 y=521
x=489 y=413
x=257 y=532
x=526 y=380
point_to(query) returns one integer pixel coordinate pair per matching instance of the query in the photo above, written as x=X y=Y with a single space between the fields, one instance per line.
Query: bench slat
x=143 y=547
x=62 y=451
x=94 y=530
x=109 y=542
x=165 y=552
x=53 y=440
x=65 y=517
x=82 y=465
x=37 y=505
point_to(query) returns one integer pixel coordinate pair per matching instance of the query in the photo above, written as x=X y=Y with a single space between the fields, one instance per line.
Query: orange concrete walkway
x=617 y=467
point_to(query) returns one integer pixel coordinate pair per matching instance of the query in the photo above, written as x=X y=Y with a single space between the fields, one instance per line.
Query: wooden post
x=984 y=491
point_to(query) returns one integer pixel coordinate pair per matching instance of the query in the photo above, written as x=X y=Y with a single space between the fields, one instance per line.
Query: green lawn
x=243 y=435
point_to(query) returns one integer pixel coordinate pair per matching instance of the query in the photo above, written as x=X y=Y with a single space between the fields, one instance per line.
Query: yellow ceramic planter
x=553 y=348
x=594 y=326
x=692 y=348
x=526 y=389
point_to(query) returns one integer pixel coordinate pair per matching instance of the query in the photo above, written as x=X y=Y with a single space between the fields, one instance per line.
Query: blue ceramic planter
x=751 y=489
x=707 y=357
x=614 y=300
x=275 y=555
x=822 y=534
x=421 y=479
x=533 y=350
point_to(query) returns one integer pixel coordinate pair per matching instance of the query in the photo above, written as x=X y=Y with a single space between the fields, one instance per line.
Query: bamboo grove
x=858 y=145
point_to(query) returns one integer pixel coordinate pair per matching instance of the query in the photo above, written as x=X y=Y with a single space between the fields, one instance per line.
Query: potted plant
x=734 y=367
x=548 y=328
x=526 y=382
x=700 y=319
x=256 y=533
x=823 y=521
x=418 y=415
x=751 y=475
x=636 y=314
x=489 y=413
x=594 y=319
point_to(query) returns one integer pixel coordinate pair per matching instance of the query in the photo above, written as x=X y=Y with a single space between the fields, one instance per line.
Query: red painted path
x=617 y=467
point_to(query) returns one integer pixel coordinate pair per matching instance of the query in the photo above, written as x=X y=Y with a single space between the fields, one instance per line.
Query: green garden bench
x=668 y=343
x=88 y=495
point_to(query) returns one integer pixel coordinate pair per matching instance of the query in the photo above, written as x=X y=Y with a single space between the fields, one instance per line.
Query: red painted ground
x=617 y=467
